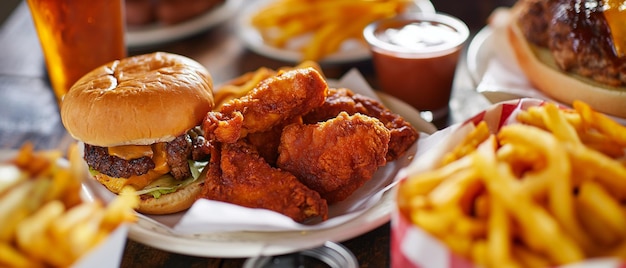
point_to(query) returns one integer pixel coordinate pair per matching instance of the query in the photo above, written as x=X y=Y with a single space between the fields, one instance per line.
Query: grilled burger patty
x=190 y=145
x=578 y=37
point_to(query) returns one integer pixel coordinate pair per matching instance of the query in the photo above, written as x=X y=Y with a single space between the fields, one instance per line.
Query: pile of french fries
x=329 y=22
x=45 y=222
x=546 y=191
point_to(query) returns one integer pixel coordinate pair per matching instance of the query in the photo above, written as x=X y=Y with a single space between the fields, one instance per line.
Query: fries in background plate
x=329 y=22
x=547 y=190
x=45 y=223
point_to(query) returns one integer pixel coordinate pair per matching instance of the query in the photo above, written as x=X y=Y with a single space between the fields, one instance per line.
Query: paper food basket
x=412 y=247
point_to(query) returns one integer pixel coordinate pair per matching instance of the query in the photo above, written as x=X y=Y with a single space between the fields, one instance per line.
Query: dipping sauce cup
x=415 y=58
x=77 y=36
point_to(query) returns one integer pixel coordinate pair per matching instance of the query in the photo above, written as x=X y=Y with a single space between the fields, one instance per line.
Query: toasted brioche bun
x=174 y=202
x=138 y=100
x=541 y=70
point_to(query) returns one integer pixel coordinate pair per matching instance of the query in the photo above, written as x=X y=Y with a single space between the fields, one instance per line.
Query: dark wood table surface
x=28 y=110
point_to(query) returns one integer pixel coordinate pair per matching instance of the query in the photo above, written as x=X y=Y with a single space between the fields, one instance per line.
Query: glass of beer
x=77 y=36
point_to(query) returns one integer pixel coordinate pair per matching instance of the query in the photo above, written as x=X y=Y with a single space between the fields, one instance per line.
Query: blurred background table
x=28 y=110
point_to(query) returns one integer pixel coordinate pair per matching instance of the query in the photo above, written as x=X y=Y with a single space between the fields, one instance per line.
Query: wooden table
x=28 y=112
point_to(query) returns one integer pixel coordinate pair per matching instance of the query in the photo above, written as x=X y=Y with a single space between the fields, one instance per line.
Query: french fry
x=477 y=136
x=601 y=122
x=425 y=182
x=45 y=222
x=327 y=22
x=85 y=235
x=11 y=257
x=436 y=221
x=528 y=258
x=613 y=172
x=472 y=228
x=499 y=238
x=480 y=253
x=13 y=209
x=557 y=124
x=594 y=225
x=605 y=207
x=451 y=190
x=32 y=234
x=560 y=197
x=551 y=192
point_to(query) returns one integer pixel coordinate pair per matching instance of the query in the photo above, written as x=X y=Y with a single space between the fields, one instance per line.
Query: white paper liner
x=208 y=216
x=412 y=247
x=503 y=79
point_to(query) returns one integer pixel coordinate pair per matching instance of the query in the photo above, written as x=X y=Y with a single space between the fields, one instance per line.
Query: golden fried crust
x=240 y=176
x=273 y=101
x=403 y=134
x=335 y=157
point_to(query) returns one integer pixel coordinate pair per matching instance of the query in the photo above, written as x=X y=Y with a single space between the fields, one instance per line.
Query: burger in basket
x=138 y=118
x=573 y=50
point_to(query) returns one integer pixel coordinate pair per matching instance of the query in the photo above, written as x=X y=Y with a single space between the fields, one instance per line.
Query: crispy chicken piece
x=334 y=157
x=238 y=175
x=403 y=134
x=273 y=101
x=266 y=143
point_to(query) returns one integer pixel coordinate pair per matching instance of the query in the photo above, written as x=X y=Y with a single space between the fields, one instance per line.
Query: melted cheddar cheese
x=615 y=15
x=130 y=152
x=160 y=167
x=156 y=152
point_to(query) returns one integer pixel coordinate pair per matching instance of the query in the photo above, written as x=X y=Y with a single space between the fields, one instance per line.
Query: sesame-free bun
x=138 y=100
x=541 y=70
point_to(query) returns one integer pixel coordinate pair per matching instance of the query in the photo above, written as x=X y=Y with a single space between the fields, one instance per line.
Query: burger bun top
x=138 y=100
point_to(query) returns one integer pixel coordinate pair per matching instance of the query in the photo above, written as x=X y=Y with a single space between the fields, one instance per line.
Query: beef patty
x=190 y=145
x=577 y=35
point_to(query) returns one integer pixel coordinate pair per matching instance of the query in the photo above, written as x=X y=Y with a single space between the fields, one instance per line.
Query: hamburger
x=573 y=50
x=138 y=118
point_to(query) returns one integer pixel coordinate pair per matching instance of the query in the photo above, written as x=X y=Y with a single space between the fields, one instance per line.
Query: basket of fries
x=526 y=183
x=48 y=221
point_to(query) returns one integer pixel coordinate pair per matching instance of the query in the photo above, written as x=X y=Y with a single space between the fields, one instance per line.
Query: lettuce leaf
x=167 y=184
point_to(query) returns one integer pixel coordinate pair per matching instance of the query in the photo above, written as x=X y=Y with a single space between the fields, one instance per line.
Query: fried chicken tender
x=403 y=134
x=334 y=157
x=273 y=101
x=267 y=142
x=238 y=175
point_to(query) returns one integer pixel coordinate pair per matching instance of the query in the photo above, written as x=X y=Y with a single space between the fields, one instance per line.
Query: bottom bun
x=542 y=71
x=174 y=202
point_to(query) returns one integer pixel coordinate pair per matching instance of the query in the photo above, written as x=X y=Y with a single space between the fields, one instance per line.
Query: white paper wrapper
x=502 y=78
x=412 y=247
x=207 y=216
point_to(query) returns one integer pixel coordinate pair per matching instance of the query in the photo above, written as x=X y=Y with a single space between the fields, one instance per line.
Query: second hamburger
x=138 y=119
x=573 y=50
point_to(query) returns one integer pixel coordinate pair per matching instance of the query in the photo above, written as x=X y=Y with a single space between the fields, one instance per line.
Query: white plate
x=155 y=231
x=479 y=51
x=351 y=50
x=149 y=35
x=505 y=80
